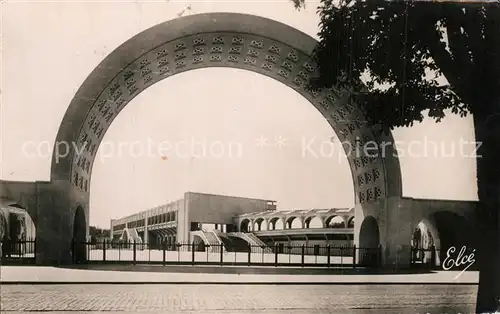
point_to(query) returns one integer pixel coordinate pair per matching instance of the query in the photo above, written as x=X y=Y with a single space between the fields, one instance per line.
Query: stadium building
x=215 y=221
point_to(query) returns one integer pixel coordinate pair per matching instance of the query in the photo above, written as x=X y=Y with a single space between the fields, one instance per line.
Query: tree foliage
x=397 y=53
x=97 y=232
x=393 y=56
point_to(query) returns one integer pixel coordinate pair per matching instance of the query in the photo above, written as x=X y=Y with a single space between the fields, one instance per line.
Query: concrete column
x=346 y=221
x=283 y=220
x=146 y=233
x=303 y=222
x=111 y=229
x=395 y=227
x=323 y=222
x=56 y=207
x=399 y=226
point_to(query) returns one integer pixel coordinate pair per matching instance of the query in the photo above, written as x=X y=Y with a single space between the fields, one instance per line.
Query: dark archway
x=369 y=242
x=425 y=244
x=79 y=236
x=454 y=231
x=17 y=231
x=244 y=225
x=198 y=244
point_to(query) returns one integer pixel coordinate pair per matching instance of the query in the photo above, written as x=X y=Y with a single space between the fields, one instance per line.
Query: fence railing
x=17 y=251
x=203 y=254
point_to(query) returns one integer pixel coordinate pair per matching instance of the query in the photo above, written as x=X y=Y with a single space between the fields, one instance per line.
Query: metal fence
x=17 y=251
x=203 y=254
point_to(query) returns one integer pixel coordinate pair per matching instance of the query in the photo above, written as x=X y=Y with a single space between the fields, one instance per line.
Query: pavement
x=362 y=299
x=197 y=290
x=171 y=275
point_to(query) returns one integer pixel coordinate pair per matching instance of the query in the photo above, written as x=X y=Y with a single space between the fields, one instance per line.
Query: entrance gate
x=215 y=40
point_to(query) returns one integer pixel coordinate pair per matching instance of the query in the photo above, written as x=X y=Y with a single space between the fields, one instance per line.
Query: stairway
x=210 y=239
x=252 y=239
x=234 y=244
x=131 y=236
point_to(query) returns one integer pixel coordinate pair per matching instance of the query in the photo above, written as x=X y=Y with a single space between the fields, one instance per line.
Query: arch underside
x=287 y=62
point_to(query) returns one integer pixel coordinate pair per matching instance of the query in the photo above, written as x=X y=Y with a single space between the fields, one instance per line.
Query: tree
x=98 y=234
x=393 y=53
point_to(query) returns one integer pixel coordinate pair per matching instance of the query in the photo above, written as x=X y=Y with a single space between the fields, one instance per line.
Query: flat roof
x=299 y=211
x=224 y=195
x=188 y=192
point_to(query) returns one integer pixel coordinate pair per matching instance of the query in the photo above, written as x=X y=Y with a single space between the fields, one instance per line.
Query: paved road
x=363 y=299
x=172 y=274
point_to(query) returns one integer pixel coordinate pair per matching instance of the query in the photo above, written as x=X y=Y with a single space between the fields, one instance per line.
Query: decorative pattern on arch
x=213 y=40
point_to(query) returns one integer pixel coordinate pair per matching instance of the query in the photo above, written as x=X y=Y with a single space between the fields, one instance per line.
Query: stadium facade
x=213 y=221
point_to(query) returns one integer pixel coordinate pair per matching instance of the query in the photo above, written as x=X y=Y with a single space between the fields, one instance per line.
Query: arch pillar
x=146 y=230
x=399 y=227
x=394 y=219
x=323 y=221
x=346 y=221
x=56 y=207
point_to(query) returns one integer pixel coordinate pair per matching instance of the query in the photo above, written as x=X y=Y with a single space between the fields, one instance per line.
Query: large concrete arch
x=198 y=41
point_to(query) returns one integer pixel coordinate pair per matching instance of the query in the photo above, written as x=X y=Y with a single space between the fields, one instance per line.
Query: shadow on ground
x=244 y=270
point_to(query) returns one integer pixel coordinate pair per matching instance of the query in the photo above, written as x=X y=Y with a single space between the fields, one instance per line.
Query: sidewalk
x=54 y=275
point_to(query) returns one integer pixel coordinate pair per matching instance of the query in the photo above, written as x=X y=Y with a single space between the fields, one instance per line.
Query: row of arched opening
x=277 y=223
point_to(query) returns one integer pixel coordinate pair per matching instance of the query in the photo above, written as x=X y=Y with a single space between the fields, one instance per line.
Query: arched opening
x=369 y=242
x=18 y=232
x=276 y=223
x=272 y=223
x=453 y=231
x=335 y=222
x=350 y=222
x=313 y=222
x=425 y=244
x=79 y=236
x=259 y=224
x=292 y=223
x=297 y=223
x=244 y=225
x=198 y=244
x=112 y=85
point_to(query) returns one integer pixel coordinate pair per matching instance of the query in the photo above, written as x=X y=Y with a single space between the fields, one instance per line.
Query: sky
x=49 y=48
